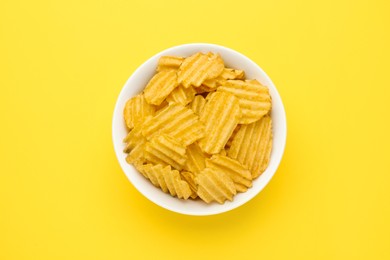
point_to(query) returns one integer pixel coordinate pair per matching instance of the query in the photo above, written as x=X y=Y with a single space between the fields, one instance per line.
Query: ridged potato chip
x=169 y=62
x=189 y=177
x=220 y=116
x=197 y=68
x=211 y=84
x=136 y=109
x=176 y=120
x=195 y=159
x=254 y=98
x=197 y=104
x=165 y=150
x=214 y=186
x=229 y=142
x=239 y=174
x=135 y=145
x=252 y=145
x=181 y=95
x=160 y=86
x=167 y=179
x=228 y=73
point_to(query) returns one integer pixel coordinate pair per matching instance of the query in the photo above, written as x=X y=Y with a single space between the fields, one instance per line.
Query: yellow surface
x=63 y=194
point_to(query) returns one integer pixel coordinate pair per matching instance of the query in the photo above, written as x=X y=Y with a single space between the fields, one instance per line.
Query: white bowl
x=135 y=85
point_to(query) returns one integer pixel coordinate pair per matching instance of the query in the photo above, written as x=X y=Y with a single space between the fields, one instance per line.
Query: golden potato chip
x=252 y=145
x=220 y=116
x=169 y=62
x=197 y=104
x=229 y=142
x=177 y=186
x=199 y=67
x=254 y=98
x=165 y=150
x=136 y=109
x=135 y=144
x=203 y=89
x=160 y=86
x=182 y=95
x=189 y=177
x=167 y=179
x=211 y=84
x=176 y=120
x=239 y=174
x=214 y=186
x=195 y=159
x=228 y=73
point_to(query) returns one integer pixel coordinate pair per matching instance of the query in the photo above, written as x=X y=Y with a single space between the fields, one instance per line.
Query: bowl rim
x=276 y=96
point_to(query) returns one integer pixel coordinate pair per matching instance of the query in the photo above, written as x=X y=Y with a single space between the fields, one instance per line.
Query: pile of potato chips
x=199 y=129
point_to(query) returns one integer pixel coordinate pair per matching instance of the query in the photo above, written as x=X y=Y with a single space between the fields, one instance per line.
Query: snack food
x=199 y=130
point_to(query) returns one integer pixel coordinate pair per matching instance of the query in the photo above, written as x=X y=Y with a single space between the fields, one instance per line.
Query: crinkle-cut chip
x=189 y=177
x=204 y=89
x=215 y=186
x=229 y=142
x=195 y=159
x=211 y=84
x=182 y=95
x=160 y=86
x=197 y=104
x=140 y=167
x=136 y=109
x=199 y=67
x=240 y=175
x=228 y=73
x=254 y=98
x=177 y=121
x=169 y=62
x=160 y=107
x=220 y=116
x=135 y=144
x=167 y=179
x=176 y=186
x=252 y=145
x=165 y=150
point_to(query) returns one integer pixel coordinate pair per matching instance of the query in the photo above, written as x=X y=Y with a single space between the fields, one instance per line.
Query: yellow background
x=63 y=194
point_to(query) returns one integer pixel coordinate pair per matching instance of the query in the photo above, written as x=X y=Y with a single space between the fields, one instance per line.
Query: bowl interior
x=136 y=83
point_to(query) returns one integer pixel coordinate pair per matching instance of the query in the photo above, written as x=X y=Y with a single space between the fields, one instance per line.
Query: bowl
x=136 y=83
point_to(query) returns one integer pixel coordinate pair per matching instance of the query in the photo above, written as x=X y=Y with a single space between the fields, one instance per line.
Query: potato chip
x=189 y=177
x=214 y=186
x=220 y=116
x=252 y=145
x=228 y=73
x=211 y=84
x=169 y=62
x=203 y=89
x=135 y=144
x=167 y=179
x=160 y=86
x=165 y=150
x=197 y=104
x=239 y=174
x=136 y=109
x=195 y=159
x=254 y=98
x=229 y=142
x=177 y=186
x=180 y=122
x=182 y=95
x=197 y=68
